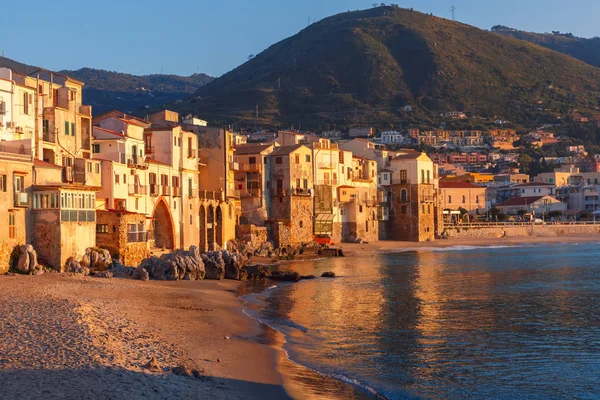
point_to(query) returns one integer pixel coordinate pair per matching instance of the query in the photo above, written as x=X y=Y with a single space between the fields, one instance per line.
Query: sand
x=66 y=337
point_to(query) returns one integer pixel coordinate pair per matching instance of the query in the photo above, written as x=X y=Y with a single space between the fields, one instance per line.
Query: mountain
x=362 y=67
x=108 y=90
x=584 y=49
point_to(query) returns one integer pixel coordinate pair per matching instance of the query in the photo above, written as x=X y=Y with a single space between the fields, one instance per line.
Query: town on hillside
x=71 y=180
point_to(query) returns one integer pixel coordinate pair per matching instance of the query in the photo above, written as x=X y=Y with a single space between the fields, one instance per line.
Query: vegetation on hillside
x=362 y=67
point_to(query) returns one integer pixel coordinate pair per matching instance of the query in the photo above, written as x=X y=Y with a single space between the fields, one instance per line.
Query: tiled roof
x=520 y=201
x=285 y=150
x=251 y=148
x=458 y=185
x=45 y=164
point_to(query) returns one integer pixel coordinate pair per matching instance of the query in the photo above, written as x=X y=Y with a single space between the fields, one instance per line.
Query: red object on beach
x=323 y=239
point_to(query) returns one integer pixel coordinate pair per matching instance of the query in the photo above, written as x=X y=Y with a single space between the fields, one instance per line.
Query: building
x=391 y=137
x=414 y=213
x=290 y=190
x=332 y=135
x=361 y=132
x=250 y=181
x=536 y=205
x=465 y=195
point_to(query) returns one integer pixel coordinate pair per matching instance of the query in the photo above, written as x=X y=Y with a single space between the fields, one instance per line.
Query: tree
x=521 y=213
x=585 y=215
x=494 y=212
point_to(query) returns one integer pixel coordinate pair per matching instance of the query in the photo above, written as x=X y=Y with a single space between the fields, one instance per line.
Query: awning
x=451 y=212
x=324 y=217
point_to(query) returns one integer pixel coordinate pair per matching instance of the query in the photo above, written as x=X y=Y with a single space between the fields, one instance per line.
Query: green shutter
x=72 y=128
x=67 y=128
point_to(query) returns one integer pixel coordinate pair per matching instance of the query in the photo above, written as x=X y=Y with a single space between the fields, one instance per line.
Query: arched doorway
x=210 y=227
x=219 y=227
x=203 y=244
x=163 y=226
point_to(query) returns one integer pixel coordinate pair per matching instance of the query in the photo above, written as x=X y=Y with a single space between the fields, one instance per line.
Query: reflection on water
x=484 y=323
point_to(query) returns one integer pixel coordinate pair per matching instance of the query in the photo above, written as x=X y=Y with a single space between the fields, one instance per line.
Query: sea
x=495 y=322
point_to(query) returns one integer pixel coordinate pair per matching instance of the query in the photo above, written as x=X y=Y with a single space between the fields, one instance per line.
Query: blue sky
x=186 y=36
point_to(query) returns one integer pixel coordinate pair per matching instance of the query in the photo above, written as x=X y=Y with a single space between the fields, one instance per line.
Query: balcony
x=328 y=182
x=282 y=192
x=176 y=191
x=250 y=167
x=21 y=199
x=208 y=195
x=85 y=110
x=165 y=190
x=255 y=192
x=233 y=166
x=16 y=151
x=154 y=189
x=327 y=165
x=138 y=190
x=134 y=161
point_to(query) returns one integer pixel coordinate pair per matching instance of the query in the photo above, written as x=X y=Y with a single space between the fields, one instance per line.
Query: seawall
x=467 y=232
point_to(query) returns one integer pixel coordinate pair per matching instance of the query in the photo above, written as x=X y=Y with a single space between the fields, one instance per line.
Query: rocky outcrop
x=178 y=265
x=103 y=274
x=140 y=274
x=26 y=261
x=285 y=276
x=214 y=265
x=234 y=266
x=328 y=274
x=120 y=271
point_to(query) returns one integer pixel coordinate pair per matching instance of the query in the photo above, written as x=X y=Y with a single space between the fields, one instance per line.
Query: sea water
x=499 y=322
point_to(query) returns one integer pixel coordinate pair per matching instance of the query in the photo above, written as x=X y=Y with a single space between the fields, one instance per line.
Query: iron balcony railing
x=138 y=190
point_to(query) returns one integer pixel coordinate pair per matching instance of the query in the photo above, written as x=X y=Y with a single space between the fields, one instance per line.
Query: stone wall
x=301 y=220
x=252 y=234
x=522 y=231
x=45 y=237
x=278 y=233
x=116 y=240
x=337 y=232
x=413 y=220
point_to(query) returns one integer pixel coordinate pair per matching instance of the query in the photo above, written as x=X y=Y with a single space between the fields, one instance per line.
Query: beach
x=65 y=336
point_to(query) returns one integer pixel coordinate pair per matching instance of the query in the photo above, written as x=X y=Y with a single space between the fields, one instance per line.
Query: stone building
x=290 y=188
x=414 y=213
x=124 y=234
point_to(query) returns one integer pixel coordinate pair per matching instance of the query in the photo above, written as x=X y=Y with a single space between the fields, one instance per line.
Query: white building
x=391 y=137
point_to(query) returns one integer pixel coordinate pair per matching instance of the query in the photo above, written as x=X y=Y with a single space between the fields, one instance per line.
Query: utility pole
x=453 y=9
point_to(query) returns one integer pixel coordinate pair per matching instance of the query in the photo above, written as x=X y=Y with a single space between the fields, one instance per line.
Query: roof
x=534 y=184
x=285 y=150
x=153 y=161
x=45 y=164
x=458 y=185
x=251 y=148
x=520 y=201
x=408 y=156
x=109 y=131
x=346 y=187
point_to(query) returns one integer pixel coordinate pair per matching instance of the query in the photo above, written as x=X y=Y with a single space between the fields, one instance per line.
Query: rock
x=120 y=271
x=285 y=276
x=214 y=265
x=97 y=259
x=199 y=375
x=103 y=274
x=152 y=365
x=328 y=274
x=73 y=266
x=182 y=370
x=308 y=277
x=234 y=266
x=23 y=262
x=38 y=271
x=180 y=264
x=257 y=271
x=140 y=274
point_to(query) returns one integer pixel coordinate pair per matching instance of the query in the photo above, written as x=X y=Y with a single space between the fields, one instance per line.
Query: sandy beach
x=74 y=337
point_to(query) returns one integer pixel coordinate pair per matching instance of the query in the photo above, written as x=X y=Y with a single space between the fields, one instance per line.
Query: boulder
x=285 y=276
x=73 y=266
x=180 y=264
x=153 y=365
x=328 y=274
x=214 y=265
x=97 y=259
x=23 y=261
x=234 y=266
x=140 y=274
x=120 y=271
x=308 y=277
x=182 y=370
x=257 y=271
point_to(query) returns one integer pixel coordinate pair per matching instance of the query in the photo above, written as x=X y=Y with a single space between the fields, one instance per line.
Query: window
x=477 y=199
x=3 y=183
x=174 y=141
x=190 y=187
x=464 y=199
x=360 y=209
x=97 y=168
x=164 y=180
x=449 y=199
x=26 y=102
x=89 y=167
x=297 y=158
x=297 y=182
x=252 y=160
x=403 y=196
x=301 y=224
x=19 y=183
x=175 y=181
x=403 y=176
x=124 y=178
x=278 y=160
x=428 y=177
x=152 y=178
x=403 y=209
x=117 y=178
x=190 y=148
x=72 y=128
x=46 y=127
x=11 y=225
x=423 y=208
x=422 y=176
x=102 y=228
x=308 y=158
x=67 y=126
x=95 y=148
x=305 y=183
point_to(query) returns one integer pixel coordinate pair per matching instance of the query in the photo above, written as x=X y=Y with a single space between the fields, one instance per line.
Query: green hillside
x=362 y=67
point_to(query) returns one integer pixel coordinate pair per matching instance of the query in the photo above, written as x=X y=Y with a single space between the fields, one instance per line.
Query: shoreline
x=95 y=335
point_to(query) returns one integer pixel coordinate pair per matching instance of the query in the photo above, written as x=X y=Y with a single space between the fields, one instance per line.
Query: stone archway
x=219 y=227
x=210 y=227
x=164 y=232
x=203 y=233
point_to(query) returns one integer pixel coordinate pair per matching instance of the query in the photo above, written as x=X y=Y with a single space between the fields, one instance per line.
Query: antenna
x=453 y=9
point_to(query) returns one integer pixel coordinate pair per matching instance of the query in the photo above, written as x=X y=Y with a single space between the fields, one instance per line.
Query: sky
x=187 y=36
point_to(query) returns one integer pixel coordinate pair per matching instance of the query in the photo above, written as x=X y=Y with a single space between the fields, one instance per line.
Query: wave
x=339 y=377
x=454 y=248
